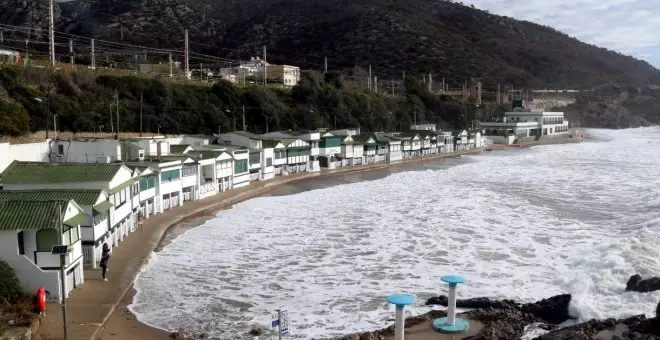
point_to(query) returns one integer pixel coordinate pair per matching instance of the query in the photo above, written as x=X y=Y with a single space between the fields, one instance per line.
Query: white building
x=525 y=125
x=424 y=127
x=241 y=169
x=369 y=145
x=313 y=138
x=261 y=152
x=31 y=152
x=389 y=149
x=92 y=150
x=28 y=232
x=95 y=207
x=329 y=150
x=116 y=179
x=352 y=151
x=169 y=182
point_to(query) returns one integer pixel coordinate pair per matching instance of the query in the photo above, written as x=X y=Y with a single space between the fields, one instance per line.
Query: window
x=21 y=244
x=97 y=217
x=279 y=154
x=190 y=170
x=60 y=149
x=147 y=183
x=46 y=239
x=241 y=166
x=255 y=158
x=71 y=236
x=169 y=176
x=269 y=161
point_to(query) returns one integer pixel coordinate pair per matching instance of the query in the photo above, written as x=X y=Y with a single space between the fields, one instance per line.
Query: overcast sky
x=631 y=27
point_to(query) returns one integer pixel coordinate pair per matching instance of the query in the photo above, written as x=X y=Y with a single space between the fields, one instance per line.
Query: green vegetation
x=10 y=288
x=85 y=101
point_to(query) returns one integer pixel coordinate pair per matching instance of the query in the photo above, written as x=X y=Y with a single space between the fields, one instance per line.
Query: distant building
x=424 y=127
x=284 y=74
x=254 y=69
x=520 y=125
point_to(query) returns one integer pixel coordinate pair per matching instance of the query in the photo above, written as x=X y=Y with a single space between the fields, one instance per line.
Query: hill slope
x=419 y=36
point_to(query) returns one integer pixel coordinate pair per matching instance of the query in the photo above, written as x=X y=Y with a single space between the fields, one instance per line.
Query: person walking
x=105 y=256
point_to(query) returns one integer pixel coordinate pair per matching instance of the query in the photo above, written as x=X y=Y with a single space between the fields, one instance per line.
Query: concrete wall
x=88 y=151
x=30 y=276
x=33 y=152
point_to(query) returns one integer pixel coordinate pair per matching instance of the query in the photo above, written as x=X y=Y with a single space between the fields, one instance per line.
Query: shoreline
x=111 y=318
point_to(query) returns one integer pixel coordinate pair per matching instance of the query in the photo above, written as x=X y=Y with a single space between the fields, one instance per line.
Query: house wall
x=33 y=152
x=358 y=150
x=266 y=155
x=153 y=147
x=27 y=272
x=123 y=175
x=225 y=168
x=86 y=151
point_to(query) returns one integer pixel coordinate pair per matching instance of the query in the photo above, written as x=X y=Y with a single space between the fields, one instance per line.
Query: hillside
x=416 y=36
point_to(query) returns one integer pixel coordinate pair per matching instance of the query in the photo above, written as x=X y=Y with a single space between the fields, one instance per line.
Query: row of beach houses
x=87 y=192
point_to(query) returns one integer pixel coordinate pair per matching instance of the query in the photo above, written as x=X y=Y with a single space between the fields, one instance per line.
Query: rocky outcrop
x=500 y=324
x=634 y=328
x=637 y=284
x=551 y=310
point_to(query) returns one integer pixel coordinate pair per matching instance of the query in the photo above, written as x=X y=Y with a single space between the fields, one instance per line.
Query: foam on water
x=574 y=218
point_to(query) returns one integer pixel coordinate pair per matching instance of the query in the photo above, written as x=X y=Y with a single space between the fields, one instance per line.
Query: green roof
x=362 y=139
x=82 y=197
x=204 y=154
x=45 y=173
x=178 y=148
x=17 y=215
x=123 y=186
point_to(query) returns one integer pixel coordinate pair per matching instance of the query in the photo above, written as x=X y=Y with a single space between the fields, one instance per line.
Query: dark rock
x=174 y=335
x=500 y=324
x=552 y=310
x=657 y=311
x=633 y=328
x=637 y=284
x=256 y=331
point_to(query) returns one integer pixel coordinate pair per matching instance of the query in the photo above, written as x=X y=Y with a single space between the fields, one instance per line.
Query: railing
x=206 y=188
x=254 y=177
x=88 y=253
x=174 y=201
x=166 y=204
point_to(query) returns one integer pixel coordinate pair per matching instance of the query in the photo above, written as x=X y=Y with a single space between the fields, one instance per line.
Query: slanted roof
x=21 y=214
x=364 y=139
x=179 y=148
x=82 y=197
x=45 y=173
x=204 y=154
x=245 y=134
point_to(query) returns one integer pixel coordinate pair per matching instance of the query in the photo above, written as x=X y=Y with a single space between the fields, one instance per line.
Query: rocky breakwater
x=508 y=319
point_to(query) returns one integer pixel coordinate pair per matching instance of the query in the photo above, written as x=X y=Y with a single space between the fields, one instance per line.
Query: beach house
x=28 y=231
x=329 y=149
x=352 y=151
x=389 y=148
x=94 y=229
x=169 y=181
x=241 y=166
x=312 y=138
x=369 y=147
x=116 y=179
x=260 y=154
x=217 y=167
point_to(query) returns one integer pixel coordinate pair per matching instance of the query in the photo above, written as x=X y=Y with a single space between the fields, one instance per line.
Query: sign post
x=62 y=251
x=281 y=322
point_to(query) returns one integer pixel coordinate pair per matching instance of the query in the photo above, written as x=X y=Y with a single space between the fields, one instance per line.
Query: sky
x=631 y=27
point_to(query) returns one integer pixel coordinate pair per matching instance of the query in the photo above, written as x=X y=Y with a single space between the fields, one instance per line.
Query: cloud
x=627 y=26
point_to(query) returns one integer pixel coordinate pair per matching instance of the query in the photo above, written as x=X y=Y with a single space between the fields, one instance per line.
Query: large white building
x=520 y=125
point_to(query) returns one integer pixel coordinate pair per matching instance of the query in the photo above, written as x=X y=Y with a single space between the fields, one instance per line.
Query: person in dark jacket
x=105 y=256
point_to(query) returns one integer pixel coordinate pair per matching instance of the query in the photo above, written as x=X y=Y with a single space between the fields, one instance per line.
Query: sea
x=521 y=224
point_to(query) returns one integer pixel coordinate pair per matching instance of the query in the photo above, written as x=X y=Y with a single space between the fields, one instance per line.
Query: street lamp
x=39 y=100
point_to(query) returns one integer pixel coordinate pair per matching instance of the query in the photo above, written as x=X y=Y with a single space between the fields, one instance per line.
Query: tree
x=14 y=120
x=10 y=287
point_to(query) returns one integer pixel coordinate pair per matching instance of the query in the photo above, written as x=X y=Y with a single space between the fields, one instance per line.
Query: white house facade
x=29 y=230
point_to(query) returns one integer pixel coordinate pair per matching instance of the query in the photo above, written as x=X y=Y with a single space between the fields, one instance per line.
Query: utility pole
x=93 y=56
x=117 y=98
x=137 y=68
x=375 y=84
x=265 y=71
x=2 y=37
x=62 y=274
x=27 y=53
x=170 y=65
x=244 y=118
x=499 y=95
x=51 y=32
x=444 y=88
x=141 y=99
x=112 y=126
x=430 y=83
x=325 y=65
x=71 y=61
x=369 y=84
x=185 y=56
x=392 y=88
x=121 y=32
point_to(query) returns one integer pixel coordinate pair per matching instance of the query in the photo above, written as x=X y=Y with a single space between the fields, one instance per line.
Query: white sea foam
x=574 y=218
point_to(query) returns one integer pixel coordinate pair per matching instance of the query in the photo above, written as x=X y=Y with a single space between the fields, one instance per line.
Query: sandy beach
x=98 y=310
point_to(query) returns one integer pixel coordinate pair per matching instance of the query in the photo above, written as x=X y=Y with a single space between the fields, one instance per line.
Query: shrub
x=10 y=287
